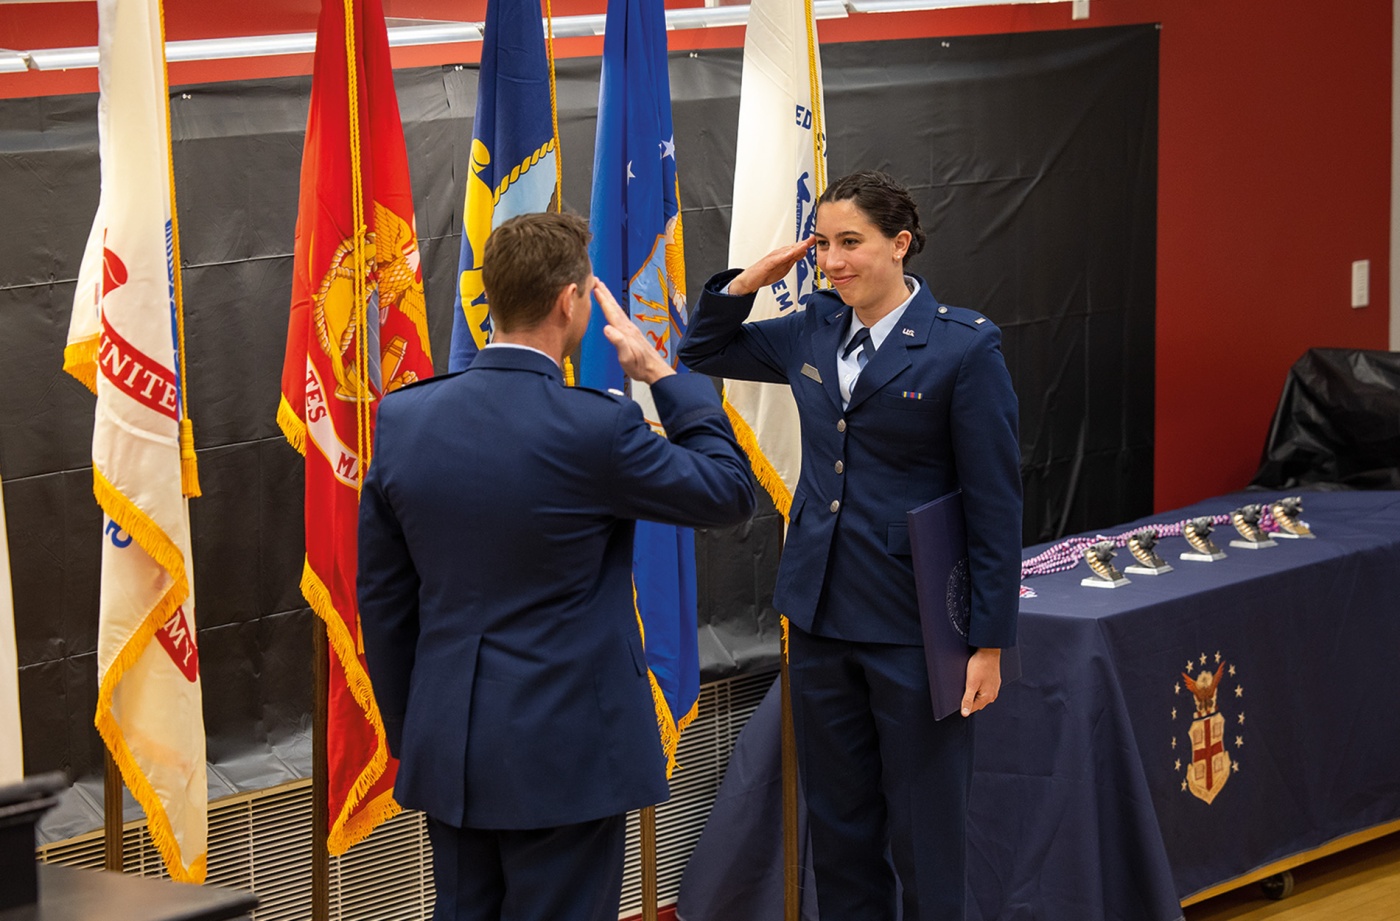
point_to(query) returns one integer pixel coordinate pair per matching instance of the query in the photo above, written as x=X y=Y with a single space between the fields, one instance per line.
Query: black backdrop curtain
x=1033 y=158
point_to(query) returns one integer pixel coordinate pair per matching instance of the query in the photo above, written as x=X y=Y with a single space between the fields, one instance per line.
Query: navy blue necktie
x=861 y=340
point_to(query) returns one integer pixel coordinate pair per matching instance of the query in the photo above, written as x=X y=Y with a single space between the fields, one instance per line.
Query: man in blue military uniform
x=902 y=400
x=495 y=587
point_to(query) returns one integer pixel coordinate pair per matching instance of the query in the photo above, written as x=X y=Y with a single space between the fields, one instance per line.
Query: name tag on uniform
x=809 y=371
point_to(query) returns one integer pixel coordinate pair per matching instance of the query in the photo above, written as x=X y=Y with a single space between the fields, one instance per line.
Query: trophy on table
x=1197 y=534
x=1100 y=556
x=1143 y=546
x=1290 y=526
x=1246 y=522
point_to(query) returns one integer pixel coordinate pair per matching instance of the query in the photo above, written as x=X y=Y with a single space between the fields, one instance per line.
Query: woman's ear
x=901 y=244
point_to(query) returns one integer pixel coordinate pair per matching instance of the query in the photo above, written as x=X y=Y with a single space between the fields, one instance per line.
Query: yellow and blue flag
x=637 y=252
x=514 y=156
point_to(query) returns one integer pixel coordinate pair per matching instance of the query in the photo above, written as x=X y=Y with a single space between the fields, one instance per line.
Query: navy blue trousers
x=569 y=873
x=886 y=784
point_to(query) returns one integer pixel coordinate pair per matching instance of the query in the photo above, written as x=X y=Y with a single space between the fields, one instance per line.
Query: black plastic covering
x=1337 y=423
x=1033 y=158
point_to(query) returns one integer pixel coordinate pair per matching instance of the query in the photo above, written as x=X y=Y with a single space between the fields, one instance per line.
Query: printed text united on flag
x=637 y=252
x=358 y=329
x=124 y=342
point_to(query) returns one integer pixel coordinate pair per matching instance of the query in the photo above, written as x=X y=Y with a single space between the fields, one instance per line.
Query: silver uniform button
x=841 y=425
x=835 y=505
x=840 y=467
x=942 y=309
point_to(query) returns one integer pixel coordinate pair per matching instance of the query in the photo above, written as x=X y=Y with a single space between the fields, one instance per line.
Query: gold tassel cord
x=189 y=466
x=357 y=256
x=554 y=112
x=814 y=90
x=569 y=377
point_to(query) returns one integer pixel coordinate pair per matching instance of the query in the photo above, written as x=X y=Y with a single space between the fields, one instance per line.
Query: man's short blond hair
x=528 y=260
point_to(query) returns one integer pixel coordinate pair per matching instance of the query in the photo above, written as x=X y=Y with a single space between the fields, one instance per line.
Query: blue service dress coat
x=495 y=589
x=932 y=412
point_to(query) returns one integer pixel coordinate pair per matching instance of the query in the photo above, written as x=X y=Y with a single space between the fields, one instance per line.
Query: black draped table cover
x=1103 y=789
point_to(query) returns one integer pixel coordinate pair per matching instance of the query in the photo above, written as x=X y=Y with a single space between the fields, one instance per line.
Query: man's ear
x=565 y=300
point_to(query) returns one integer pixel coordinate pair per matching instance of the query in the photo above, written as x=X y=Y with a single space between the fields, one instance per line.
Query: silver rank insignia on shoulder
x=981 y=320
x=615 y=392
x=907 y=331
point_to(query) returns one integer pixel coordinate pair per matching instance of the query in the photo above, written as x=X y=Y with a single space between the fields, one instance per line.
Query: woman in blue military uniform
x=901 y=400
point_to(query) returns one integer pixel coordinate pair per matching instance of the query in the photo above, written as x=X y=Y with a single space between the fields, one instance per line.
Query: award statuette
x=1100 y=556
x=1286 y=512
x=1246 y=522
x=1197 y=534
x=1143 y=546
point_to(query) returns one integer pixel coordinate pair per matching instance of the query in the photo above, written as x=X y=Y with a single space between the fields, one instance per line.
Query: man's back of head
x=529 y=259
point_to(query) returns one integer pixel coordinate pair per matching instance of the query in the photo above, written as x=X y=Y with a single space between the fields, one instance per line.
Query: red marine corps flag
x=125 y=344
x=358 y=330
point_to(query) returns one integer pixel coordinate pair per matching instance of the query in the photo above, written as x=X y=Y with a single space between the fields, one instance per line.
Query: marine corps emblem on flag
x=1212 y=732
x=394 y=280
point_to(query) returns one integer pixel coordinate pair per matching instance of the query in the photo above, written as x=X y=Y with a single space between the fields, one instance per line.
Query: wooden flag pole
x=320 y=776
x=112 y=813
x=792 y=897
x=648 y=830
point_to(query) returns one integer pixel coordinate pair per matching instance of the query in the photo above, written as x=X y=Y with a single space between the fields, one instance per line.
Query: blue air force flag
x=637 y=252
x=514 y=156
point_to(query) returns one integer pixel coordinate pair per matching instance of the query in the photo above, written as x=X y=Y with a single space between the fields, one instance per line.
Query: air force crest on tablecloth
x=1212 y=732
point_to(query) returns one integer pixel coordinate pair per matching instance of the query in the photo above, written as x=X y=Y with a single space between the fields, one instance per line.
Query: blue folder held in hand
x=938 y=542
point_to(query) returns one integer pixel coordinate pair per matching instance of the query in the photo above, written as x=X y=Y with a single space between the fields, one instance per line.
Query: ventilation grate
x=261 y=841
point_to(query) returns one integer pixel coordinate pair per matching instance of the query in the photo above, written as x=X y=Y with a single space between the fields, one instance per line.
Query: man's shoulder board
x=425 y=382
x=611 y=394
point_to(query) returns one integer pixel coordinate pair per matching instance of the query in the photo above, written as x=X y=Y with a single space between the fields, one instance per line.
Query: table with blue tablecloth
x=1103 y=789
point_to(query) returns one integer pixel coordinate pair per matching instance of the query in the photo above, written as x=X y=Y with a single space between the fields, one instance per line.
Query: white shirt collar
x=516 y=345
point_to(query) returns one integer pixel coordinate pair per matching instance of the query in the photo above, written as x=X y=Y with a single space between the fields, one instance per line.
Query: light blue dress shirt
x=848 y=368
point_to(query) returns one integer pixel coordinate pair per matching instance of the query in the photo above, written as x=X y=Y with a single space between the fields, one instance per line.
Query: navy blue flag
x=637 y=252
x=514 y=156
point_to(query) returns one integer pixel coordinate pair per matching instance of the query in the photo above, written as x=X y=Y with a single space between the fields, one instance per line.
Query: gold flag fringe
x=767 y=476
x=293 y=429
x=80 y=360
x=162 y=549
x=667 y=726
x=348 y=828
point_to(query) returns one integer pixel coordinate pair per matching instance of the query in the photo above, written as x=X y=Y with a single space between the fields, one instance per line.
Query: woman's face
x=865 y=266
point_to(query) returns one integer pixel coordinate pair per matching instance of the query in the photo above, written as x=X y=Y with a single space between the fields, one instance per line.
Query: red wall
x=1274 y=175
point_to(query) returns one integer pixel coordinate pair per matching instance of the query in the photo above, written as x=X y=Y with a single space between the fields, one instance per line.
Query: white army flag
x=125 y=343
x=780 y=170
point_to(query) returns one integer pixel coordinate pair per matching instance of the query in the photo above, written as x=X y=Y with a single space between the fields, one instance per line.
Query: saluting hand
x=639 y=360
x=983 y=680
x=771 y=268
